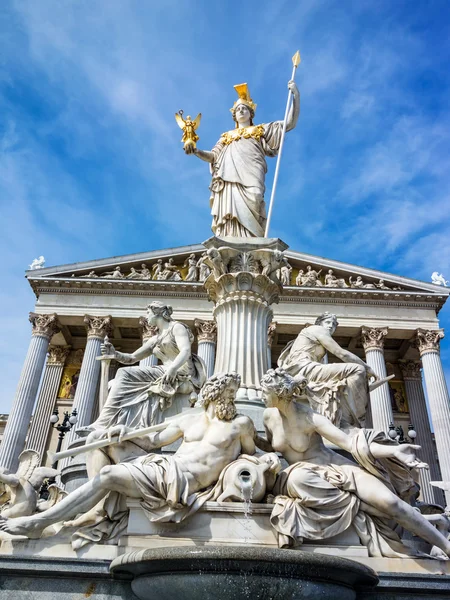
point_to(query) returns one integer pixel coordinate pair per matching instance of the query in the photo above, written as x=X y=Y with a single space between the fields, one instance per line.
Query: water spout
x=246 y=482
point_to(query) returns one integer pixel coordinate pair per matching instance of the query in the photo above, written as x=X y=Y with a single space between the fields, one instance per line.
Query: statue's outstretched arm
x=144 y=351
x=331 y=346
x=330 y=432
x=203 y=154
x=170 y=434
x=294 y=111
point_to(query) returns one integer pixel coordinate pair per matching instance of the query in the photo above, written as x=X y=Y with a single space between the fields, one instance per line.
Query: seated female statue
x=139 y=395
x=337 y=390
x=322 y=493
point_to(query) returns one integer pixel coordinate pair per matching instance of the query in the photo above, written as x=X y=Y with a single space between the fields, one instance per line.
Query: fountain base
x=233 y=572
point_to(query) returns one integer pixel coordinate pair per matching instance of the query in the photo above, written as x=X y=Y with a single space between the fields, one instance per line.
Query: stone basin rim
x=295 y=564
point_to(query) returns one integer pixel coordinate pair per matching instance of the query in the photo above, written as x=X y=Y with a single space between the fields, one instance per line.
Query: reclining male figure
x=211 y=441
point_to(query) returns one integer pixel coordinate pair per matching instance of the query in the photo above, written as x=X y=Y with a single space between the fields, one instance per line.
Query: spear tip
x=296 y=59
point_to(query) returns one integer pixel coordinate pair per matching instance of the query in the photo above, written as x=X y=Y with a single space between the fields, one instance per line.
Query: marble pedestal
x=242 y=288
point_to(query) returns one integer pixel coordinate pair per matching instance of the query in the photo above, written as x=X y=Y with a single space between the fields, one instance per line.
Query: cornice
x=183 y=289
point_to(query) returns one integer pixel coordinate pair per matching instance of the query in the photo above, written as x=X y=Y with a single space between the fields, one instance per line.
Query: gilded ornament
x=188 y=126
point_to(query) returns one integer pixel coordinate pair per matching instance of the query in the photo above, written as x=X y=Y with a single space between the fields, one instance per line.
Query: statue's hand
x=406 y=454
x=189 y=149
x=107 y=349
x=371 y=374
x=170 y=375
x=118 y=431
x=292 y=86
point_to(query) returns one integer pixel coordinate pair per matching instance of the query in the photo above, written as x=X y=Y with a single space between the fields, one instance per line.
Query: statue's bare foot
x=28 y=526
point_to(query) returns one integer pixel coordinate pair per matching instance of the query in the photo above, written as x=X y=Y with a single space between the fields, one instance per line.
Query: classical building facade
x=389 y=321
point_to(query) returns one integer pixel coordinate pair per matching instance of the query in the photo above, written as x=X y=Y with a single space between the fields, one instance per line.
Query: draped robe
x=238 y=180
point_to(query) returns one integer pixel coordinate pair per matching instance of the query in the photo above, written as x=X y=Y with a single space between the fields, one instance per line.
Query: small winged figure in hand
x=189 y=138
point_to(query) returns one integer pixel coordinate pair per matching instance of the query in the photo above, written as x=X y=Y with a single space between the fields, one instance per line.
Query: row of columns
x=43 y=329
x=45 y=326
x=427 y=343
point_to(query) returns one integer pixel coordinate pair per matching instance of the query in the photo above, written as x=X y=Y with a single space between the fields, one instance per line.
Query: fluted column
x=271 y=332
x=419 y=418
x=206 y=337
x=44 y=327
x=87 y=387
x=51 y=380
x=427 y=342
x=147 y=331
x=380 y=399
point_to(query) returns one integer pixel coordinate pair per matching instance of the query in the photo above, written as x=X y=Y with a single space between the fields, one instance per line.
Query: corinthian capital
x=44 y=325
x=206 y=330
x=271 y=331
x=147 y=330
x=428 y=341
x=57 y=355
x=98 y=327
x=410 y=369
x=373 y=337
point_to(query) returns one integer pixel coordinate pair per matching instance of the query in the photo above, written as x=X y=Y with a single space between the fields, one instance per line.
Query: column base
x=75 y=473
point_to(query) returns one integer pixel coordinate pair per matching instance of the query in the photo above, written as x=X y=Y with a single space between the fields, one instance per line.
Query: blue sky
x=91 y=163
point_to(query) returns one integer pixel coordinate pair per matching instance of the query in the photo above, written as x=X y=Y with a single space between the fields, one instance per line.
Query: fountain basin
x=235 y=573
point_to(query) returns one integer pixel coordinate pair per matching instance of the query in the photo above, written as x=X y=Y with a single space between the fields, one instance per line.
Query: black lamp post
x=397 y=433
x=67 y=424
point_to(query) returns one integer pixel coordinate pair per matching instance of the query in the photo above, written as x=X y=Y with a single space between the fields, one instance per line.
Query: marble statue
x=310 y=278
x=214 y=260
x=157 y=269
x=382 y=286
x=271 y=264
x=170 y=272
x=38 y=263
x=90 y=275
x=436 y=278
x=238 y=167
x=170 y=487
x=139 y=395
x=356 y=283
x=339 y=391
x=285 y=272
x=115 y=274
x=332 y=281
x=191 y=263
x=203 y=268
x=145 y=272
x=299 y=278
x=322 y=493
x=20 y=490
